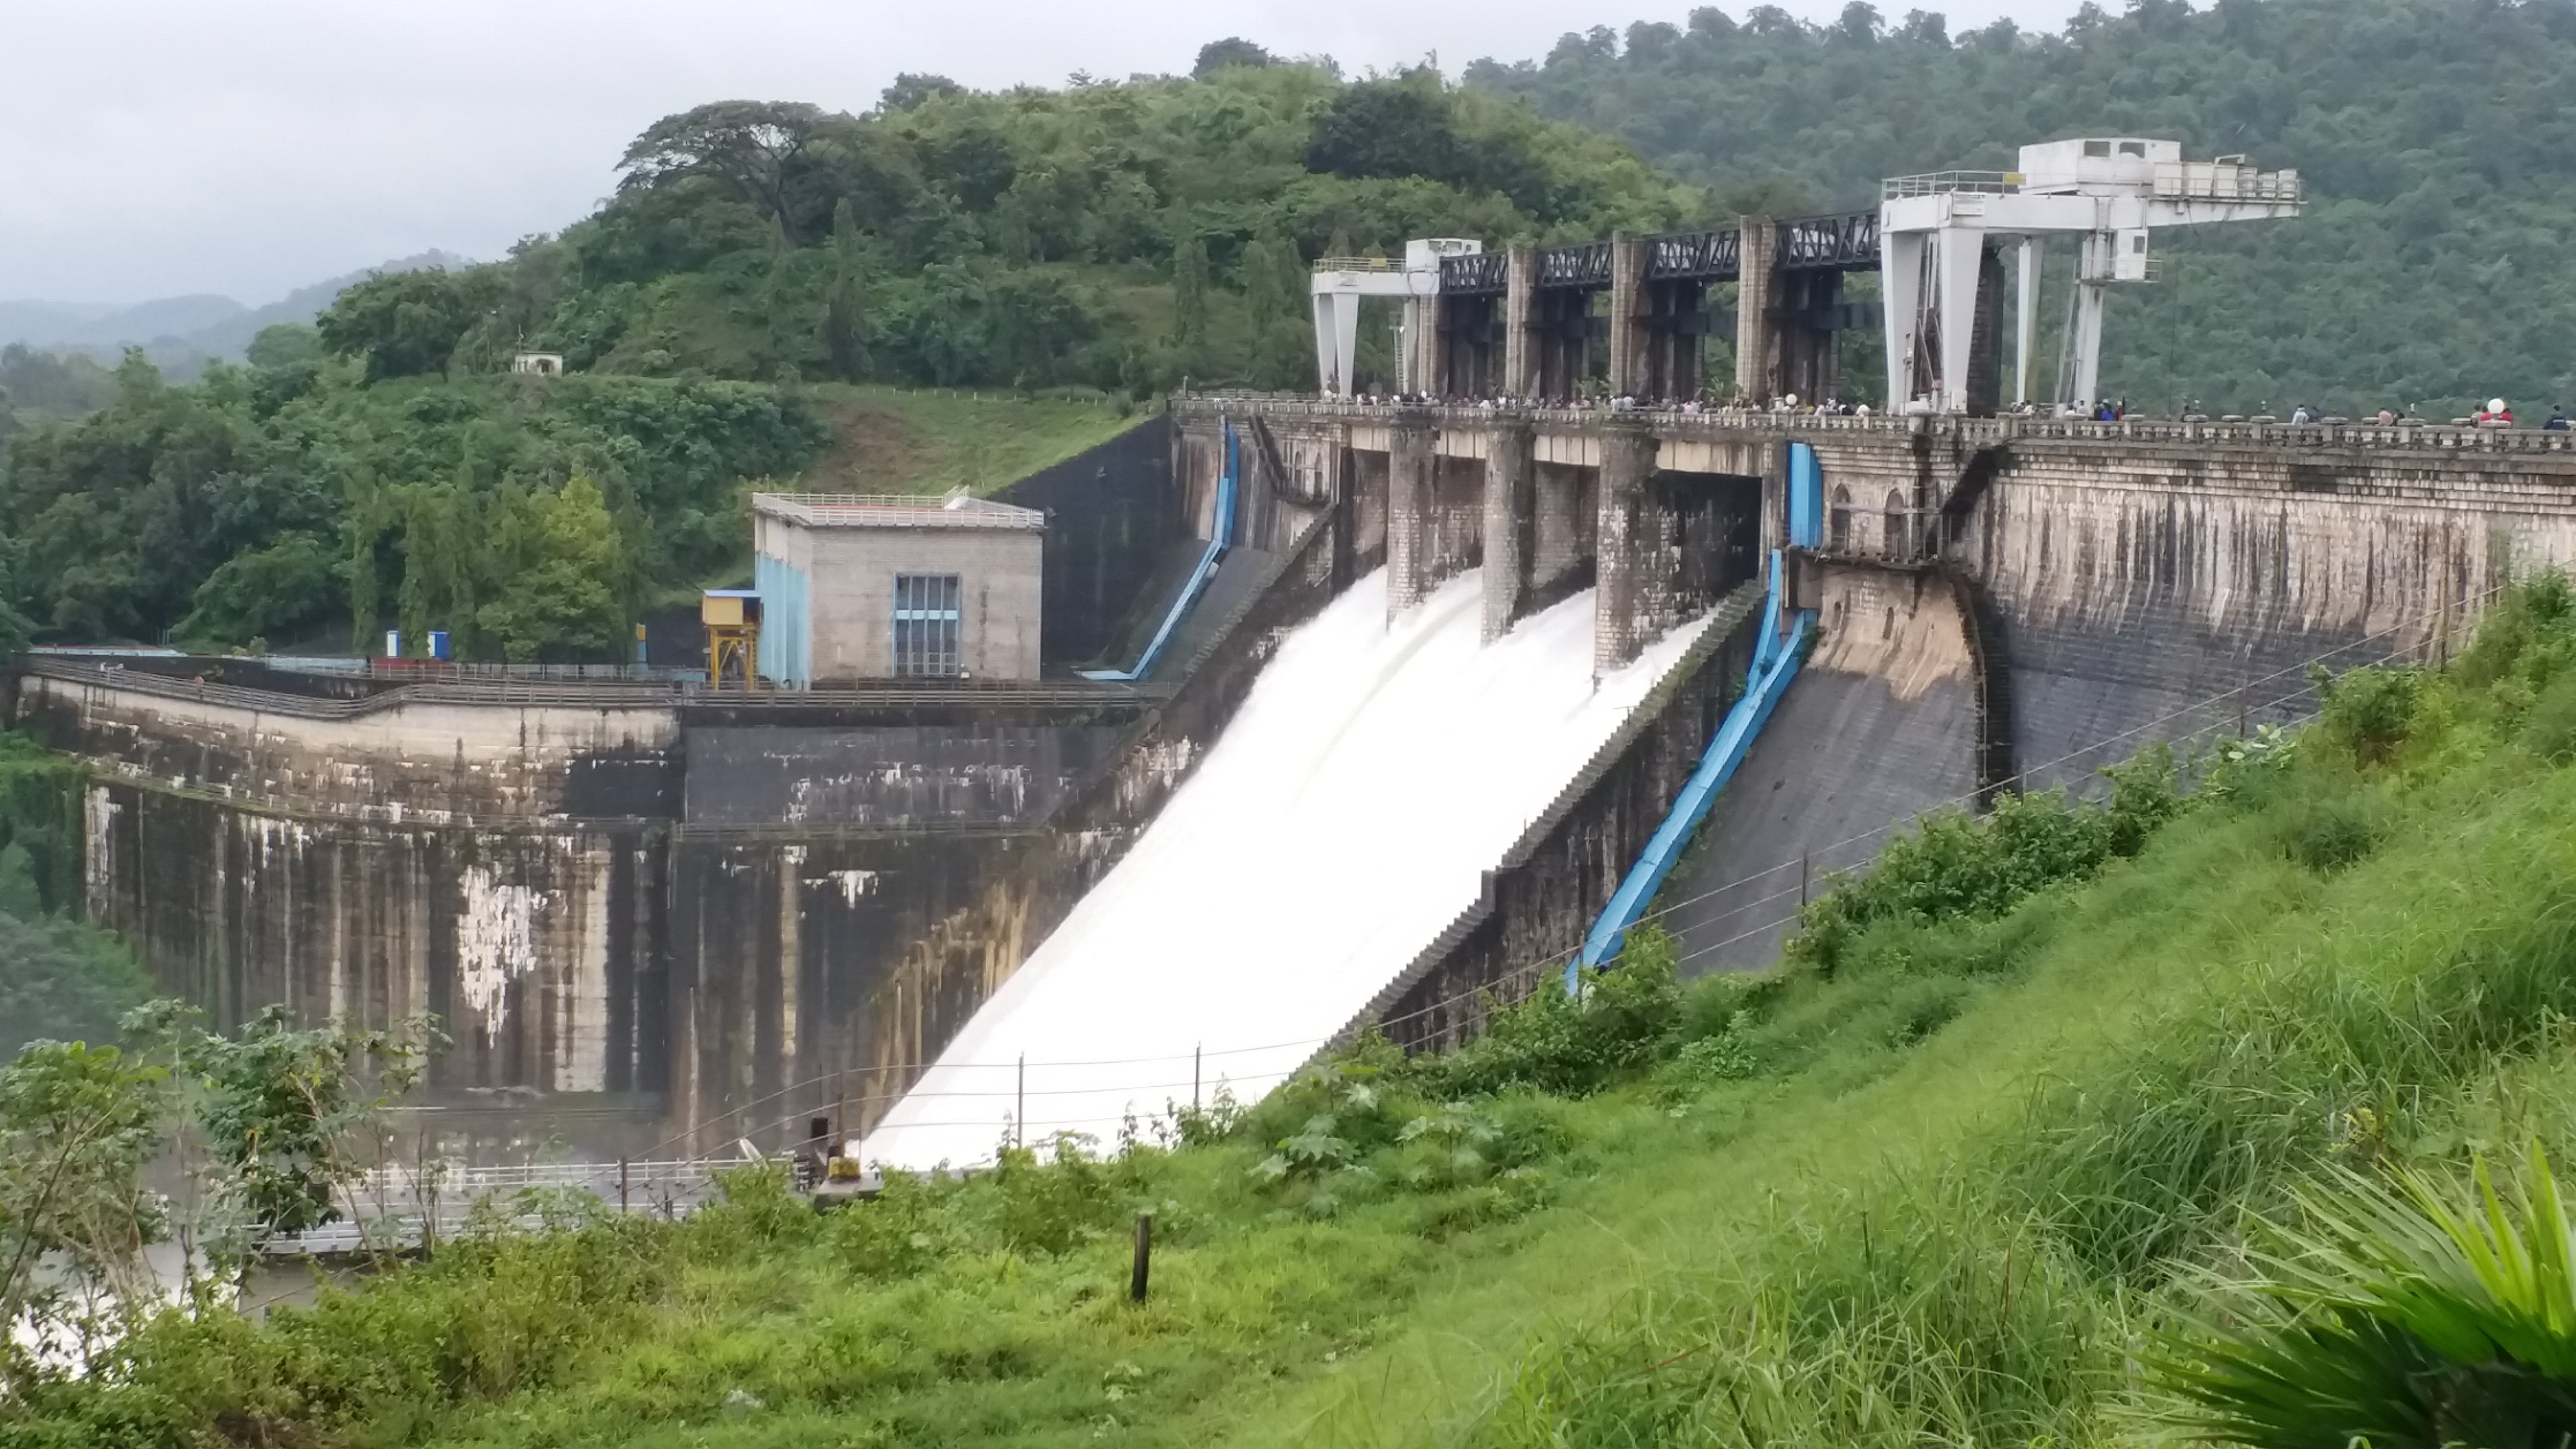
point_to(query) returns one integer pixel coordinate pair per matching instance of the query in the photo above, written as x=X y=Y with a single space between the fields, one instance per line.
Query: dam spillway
x=1377 y=768
x=652 y=918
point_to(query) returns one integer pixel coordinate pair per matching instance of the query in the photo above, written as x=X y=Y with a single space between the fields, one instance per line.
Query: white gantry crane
x=2110 y=194
x=1341 y=282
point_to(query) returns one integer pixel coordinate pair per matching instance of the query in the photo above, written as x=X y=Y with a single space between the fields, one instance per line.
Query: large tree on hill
x=407 y=324
x=1216 y=55
x=911 y=89
x=1386 y=128
x=750 y=148
x=563 y=574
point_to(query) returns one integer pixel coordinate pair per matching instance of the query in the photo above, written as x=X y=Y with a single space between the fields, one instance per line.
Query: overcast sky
x=152 y=148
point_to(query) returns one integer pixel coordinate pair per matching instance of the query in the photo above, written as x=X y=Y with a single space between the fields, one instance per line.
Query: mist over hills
x=183 y=333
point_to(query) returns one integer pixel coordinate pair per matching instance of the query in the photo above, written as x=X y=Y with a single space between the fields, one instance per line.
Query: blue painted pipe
x=1199 y=576
x=1776 y=657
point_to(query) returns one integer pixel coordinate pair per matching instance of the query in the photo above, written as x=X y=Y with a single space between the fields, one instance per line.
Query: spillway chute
x=1376 y=769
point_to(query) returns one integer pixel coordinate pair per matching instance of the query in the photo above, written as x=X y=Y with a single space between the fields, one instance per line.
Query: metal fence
x=400 y=1205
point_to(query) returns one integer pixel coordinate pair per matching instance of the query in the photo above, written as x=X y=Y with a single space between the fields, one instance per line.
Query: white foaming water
x=1344 y=817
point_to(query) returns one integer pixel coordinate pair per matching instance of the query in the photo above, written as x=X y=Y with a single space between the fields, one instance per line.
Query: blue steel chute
x=1199 y=576
x=1777 y=652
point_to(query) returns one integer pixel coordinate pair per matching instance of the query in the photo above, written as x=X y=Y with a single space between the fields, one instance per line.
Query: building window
x=925 y=625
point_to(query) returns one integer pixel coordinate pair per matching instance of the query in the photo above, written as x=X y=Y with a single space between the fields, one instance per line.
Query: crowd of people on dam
x=2496 y=414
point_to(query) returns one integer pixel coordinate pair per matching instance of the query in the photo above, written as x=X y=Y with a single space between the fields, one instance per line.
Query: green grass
x=1936 y=1185
x=928 y=440
x=902 y=440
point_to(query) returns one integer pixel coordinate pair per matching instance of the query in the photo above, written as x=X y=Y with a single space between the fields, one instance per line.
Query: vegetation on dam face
x=59 y=978
x=2004 y=1122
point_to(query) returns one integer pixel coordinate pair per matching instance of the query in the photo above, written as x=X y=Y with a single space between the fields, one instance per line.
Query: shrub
x=1624 y=1021
x=1052 y=1206
x=2432 y=1314
x=1956 y=866
x=1709 y=1060
x=2327 y=832
x=2368 y=710
x=907 y=1228
x=2549 y=729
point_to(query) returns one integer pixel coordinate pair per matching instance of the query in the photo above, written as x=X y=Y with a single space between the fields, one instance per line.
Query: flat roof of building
x=895 y=510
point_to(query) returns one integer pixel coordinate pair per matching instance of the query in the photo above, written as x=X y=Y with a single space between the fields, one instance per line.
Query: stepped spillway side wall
x=1534 y=906
x=2145 y=592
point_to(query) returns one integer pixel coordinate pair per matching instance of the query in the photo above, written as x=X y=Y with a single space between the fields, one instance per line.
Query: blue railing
x=1199 y=576
x=1777 y=653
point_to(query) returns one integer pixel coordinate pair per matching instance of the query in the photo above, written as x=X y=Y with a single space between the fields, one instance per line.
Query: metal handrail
x=1936 y=183
x=2418 y=437
x=895 y=510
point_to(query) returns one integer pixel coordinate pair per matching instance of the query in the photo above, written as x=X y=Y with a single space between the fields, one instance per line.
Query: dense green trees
x=1037 y=238
x=2434 y=135
x=268 y=504
x=407 y=324
x=381 y=465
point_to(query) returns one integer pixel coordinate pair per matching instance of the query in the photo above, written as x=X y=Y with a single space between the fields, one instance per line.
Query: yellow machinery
x=732 y=617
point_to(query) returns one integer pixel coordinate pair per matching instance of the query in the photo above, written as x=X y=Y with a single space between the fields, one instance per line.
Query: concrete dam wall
x=1881 y=726
x=648 y=918
x=2146 y=592
x=2004 y=603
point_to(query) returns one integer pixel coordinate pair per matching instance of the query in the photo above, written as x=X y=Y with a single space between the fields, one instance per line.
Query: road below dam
x=1377 y=768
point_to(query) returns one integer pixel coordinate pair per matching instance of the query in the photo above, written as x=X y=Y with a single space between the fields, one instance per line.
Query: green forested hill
x=740 y=309
x=764 y=268
x=2437 y=137
x=1115 y=235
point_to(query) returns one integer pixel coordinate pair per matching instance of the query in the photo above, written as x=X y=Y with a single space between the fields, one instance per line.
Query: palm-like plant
x=2428 y=1314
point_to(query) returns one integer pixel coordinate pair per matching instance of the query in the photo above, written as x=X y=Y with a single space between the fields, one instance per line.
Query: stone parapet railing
x=598 y=694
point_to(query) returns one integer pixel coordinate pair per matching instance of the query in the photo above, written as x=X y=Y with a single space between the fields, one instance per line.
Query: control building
x=857 y=587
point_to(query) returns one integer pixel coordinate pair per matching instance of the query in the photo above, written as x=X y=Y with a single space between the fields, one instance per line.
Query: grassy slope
x=1699 y=1197
x=907 y=440
x=1948 y=1196
x=899 y=440
x=1362 y=1332
x=2213 y=990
